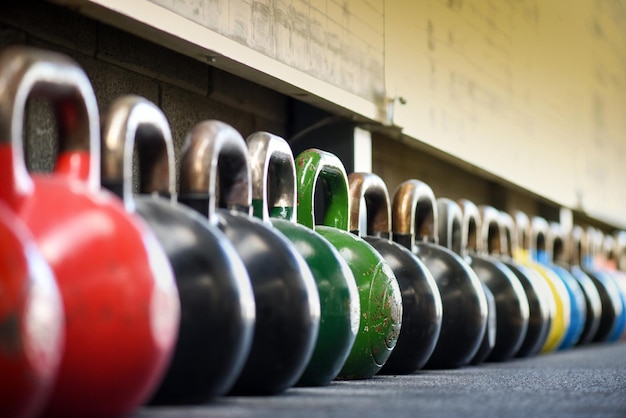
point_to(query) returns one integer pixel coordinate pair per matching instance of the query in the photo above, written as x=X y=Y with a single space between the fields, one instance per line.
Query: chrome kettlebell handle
x=374 y=190
x=560 y=247
x=539 y=243
x=509 y=234
x=492 y=236
x=133 y=119
x=270 y=154
x=578 y=246
x=214 y=151
x=414 y=213
x=620 y=249
x=471 y=227
x=27 y=72
x=523 y=231
x=450 y=226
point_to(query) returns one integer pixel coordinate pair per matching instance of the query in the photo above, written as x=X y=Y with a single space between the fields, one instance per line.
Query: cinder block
x=262 y=28
x=108 y=81
x=58 y=25
x=11 y=36
x=268 y=125
x=152 y=60
x=191 y=9
x=184 y=109
x=41 y=139
x=240 y=19
x=247 y=96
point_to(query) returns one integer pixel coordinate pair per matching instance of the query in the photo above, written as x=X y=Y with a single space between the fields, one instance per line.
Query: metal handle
x=214 y=167
x=509 y=234
x=491 y=235
x=592 y=236
x=523 y=230
x=414 y=213
x=471 y=227
x=450 y=230
x=270 y=158
x=559 y=247
x=374 y=190
x=314 y=164
x=600 y=249
x=579 y=247
x=539 y=246
x=609 y=258
x=620 y=249
x=129 y=120
x=26 y=72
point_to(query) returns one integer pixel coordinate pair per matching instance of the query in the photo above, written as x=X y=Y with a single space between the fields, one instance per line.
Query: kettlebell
x=610 y=265
x=620 y=249
x=32 y=323
x=379 y=294
x=512 y=311
x=421 y=302
x=215 y=180
x=613 y=252
x=568 y=255
x=543 y=254
x=217 y=317
x=613 y=312
x=119 y=296
x=561 y=319
x=554 y=239
x=541 y=303
x=414 y=225
x=457 y=231
x=274 y=197
x=511 y=299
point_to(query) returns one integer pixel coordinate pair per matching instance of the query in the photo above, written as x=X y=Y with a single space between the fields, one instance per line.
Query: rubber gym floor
x=586 y=381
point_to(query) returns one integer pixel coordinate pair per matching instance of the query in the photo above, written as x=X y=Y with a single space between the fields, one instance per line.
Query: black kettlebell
x=217 y=305
x=458 y=232
x=421 y=302
x=512 y=308
x=569 y=256
x=215 y=180
x=540 y=301
x=414 y=223
x=612 y=308
x=274 y=198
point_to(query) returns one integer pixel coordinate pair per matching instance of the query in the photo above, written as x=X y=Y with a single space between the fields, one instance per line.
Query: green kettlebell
x=379 y=293
x=274 y=201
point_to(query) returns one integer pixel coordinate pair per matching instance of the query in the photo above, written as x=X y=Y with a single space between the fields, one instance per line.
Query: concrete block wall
x=117 y=63
x=189 y=91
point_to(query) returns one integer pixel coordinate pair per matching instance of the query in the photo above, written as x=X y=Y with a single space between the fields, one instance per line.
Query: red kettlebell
x=119 y=295
x=31 y=322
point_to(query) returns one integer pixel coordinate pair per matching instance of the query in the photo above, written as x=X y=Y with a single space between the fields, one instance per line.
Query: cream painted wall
x=532 y=91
